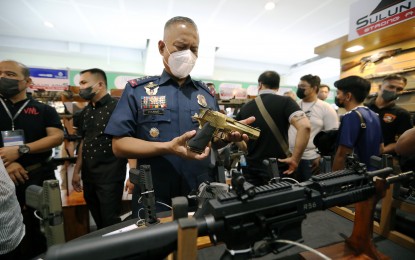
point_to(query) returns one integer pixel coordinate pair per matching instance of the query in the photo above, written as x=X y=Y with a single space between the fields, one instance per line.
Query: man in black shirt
x=283 y=111
x=394 y=119
x=29 y=131
x=102 y=173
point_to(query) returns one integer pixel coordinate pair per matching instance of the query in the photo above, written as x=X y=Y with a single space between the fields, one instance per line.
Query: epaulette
x=139 y=81
x=203 y=85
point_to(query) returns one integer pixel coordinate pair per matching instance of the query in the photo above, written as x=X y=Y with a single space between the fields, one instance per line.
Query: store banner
x=49 y=79
x=368 y=16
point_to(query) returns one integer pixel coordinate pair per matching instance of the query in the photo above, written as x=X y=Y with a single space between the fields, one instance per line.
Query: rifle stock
x=375 y=58
x=349 y=65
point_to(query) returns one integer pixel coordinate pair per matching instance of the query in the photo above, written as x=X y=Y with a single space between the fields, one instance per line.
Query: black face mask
x=389 y=95
x=300 y=93
x=9 y=87
x=87 y=93
x=337 y=102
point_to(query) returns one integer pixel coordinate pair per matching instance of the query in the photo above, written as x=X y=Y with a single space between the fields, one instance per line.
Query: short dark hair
x=358 y=86
x=324 y=86
x=313 y=80
x=24 y=68
x=179 y=19
x=270 y=78
x=97 y=72
x=395 y=77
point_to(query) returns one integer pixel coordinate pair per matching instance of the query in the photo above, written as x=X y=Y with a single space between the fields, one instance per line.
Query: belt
x=37 y=166
x=34 y=167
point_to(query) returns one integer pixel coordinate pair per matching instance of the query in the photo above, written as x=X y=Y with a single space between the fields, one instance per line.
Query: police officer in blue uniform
x=153 y=119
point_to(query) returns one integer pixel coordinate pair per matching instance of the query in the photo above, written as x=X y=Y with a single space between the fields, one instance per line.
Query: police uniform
x=157 y=109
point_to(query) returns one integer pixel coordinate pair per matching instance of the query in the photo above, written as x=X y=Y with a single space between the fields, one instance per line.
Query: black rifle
x=238 y=222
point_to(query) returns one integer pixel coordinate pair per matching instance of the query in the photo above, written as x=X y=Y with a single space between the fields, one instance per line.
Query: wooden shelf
x=398 y=33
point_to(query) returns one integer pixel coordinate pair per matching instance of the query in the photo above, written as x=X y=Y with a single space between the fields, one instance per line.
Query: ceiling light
x=269 y=6
x=354 y=48
x=48 y=24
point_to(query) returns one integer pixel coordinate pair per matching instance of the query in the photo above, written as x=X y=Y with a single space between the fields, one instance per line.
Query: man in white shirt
x=322 y=117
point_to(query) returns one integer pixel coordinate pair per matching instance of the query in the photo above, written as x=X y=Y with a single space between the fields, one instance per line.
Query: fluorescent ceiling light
x=48 y=24
x=270 y=5
x=354 y=48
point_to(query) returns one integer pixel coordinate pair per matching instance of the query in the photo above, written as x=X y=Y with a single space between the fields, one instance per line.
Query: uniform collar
x=166 y=77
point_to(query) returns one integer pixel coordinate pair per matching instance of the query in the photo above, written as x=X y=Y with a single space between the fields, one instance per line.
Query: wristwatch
x=23 y=149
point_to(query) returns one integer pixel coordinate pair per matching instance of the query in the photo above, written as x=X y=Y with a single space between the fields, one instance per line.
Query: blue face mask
x=9 y=87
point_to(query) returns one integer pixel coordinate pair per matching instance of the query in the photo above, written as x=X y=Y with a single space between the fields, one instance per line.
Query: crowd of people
x=152 y=122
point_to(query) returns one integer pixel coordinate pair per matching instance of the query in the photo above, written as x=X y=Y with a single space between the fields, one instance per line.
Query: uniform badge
x=389 y=118
x=201 y=100
x=151 y=88
x=154 y=132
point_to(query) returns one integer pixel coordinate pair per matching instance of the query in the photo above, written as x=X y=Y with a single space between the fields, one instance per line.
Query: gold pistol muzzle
x=225 y=124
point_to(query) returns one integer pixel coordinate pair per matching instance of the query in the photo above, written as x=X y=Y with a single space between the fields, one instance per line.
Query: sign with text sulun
x=49 y=79
x=368 y=16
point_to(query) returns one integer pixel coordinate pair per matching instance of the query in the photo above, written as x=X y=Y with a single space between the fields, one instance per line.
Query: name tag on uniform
x=153 y=105
x=13 y=137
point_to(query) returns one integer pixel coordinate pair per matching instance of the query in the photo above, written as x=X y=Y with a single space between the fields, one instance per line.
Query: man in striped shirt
x=12 y=228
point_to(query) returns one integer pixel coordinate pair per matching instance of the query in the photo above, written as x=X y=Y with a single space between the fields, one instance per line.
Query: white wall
x=60 y=54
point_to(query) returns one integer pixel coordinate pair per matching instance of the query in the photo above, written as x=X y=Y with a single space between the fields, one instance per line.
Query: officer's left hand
x=9 y=154
x=178 y=146
x=235 y=136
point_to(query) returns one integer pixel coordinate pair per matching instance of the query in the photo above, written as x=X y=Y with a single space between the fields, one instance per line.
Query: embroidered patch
x=389 y=118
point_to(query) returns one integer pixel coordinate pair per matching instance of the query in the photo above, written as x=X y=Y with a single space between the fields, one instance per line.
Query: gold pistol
x=213 y=123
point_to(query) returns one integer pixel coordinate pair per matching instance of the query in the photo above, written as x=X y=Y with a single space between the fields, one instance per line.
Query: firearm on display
x=144 y=179
x=254 y=214
x=363 y=62
x=213 y=123
x=47 y=202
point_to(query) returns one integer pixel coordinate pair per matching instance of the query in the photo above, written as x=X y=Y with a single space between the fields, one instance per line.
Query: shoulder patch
x=139 y=81
x=210 y=90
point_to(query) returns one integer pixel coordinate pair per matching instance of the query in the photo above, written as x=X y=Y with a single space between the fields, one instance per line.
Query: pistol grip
x=202 y=138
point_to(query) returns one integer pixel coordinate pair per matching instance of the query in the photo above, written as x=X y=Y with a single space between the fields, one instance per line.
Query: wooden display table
x=75 y=215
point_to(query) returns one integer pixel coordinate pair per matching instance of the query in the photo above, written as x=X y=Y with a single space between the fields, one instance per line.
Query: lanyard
x=17 y=113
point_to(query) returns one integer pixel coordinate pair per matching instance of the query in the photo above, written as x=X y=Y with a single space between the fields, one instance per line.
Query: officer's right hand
x=178 y=146
x=17 y=173
x=76 y=182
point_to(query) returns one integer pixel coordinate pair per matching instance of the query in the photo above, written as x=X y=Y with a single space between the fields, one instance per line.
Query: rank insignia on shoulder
x=211 y=89
x=201 y=100
x=151 y=88
x=139 y=81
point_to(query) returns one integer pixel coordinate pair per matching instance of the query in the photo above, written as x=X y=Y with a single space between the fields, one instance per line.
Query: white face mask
x=181 y=63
